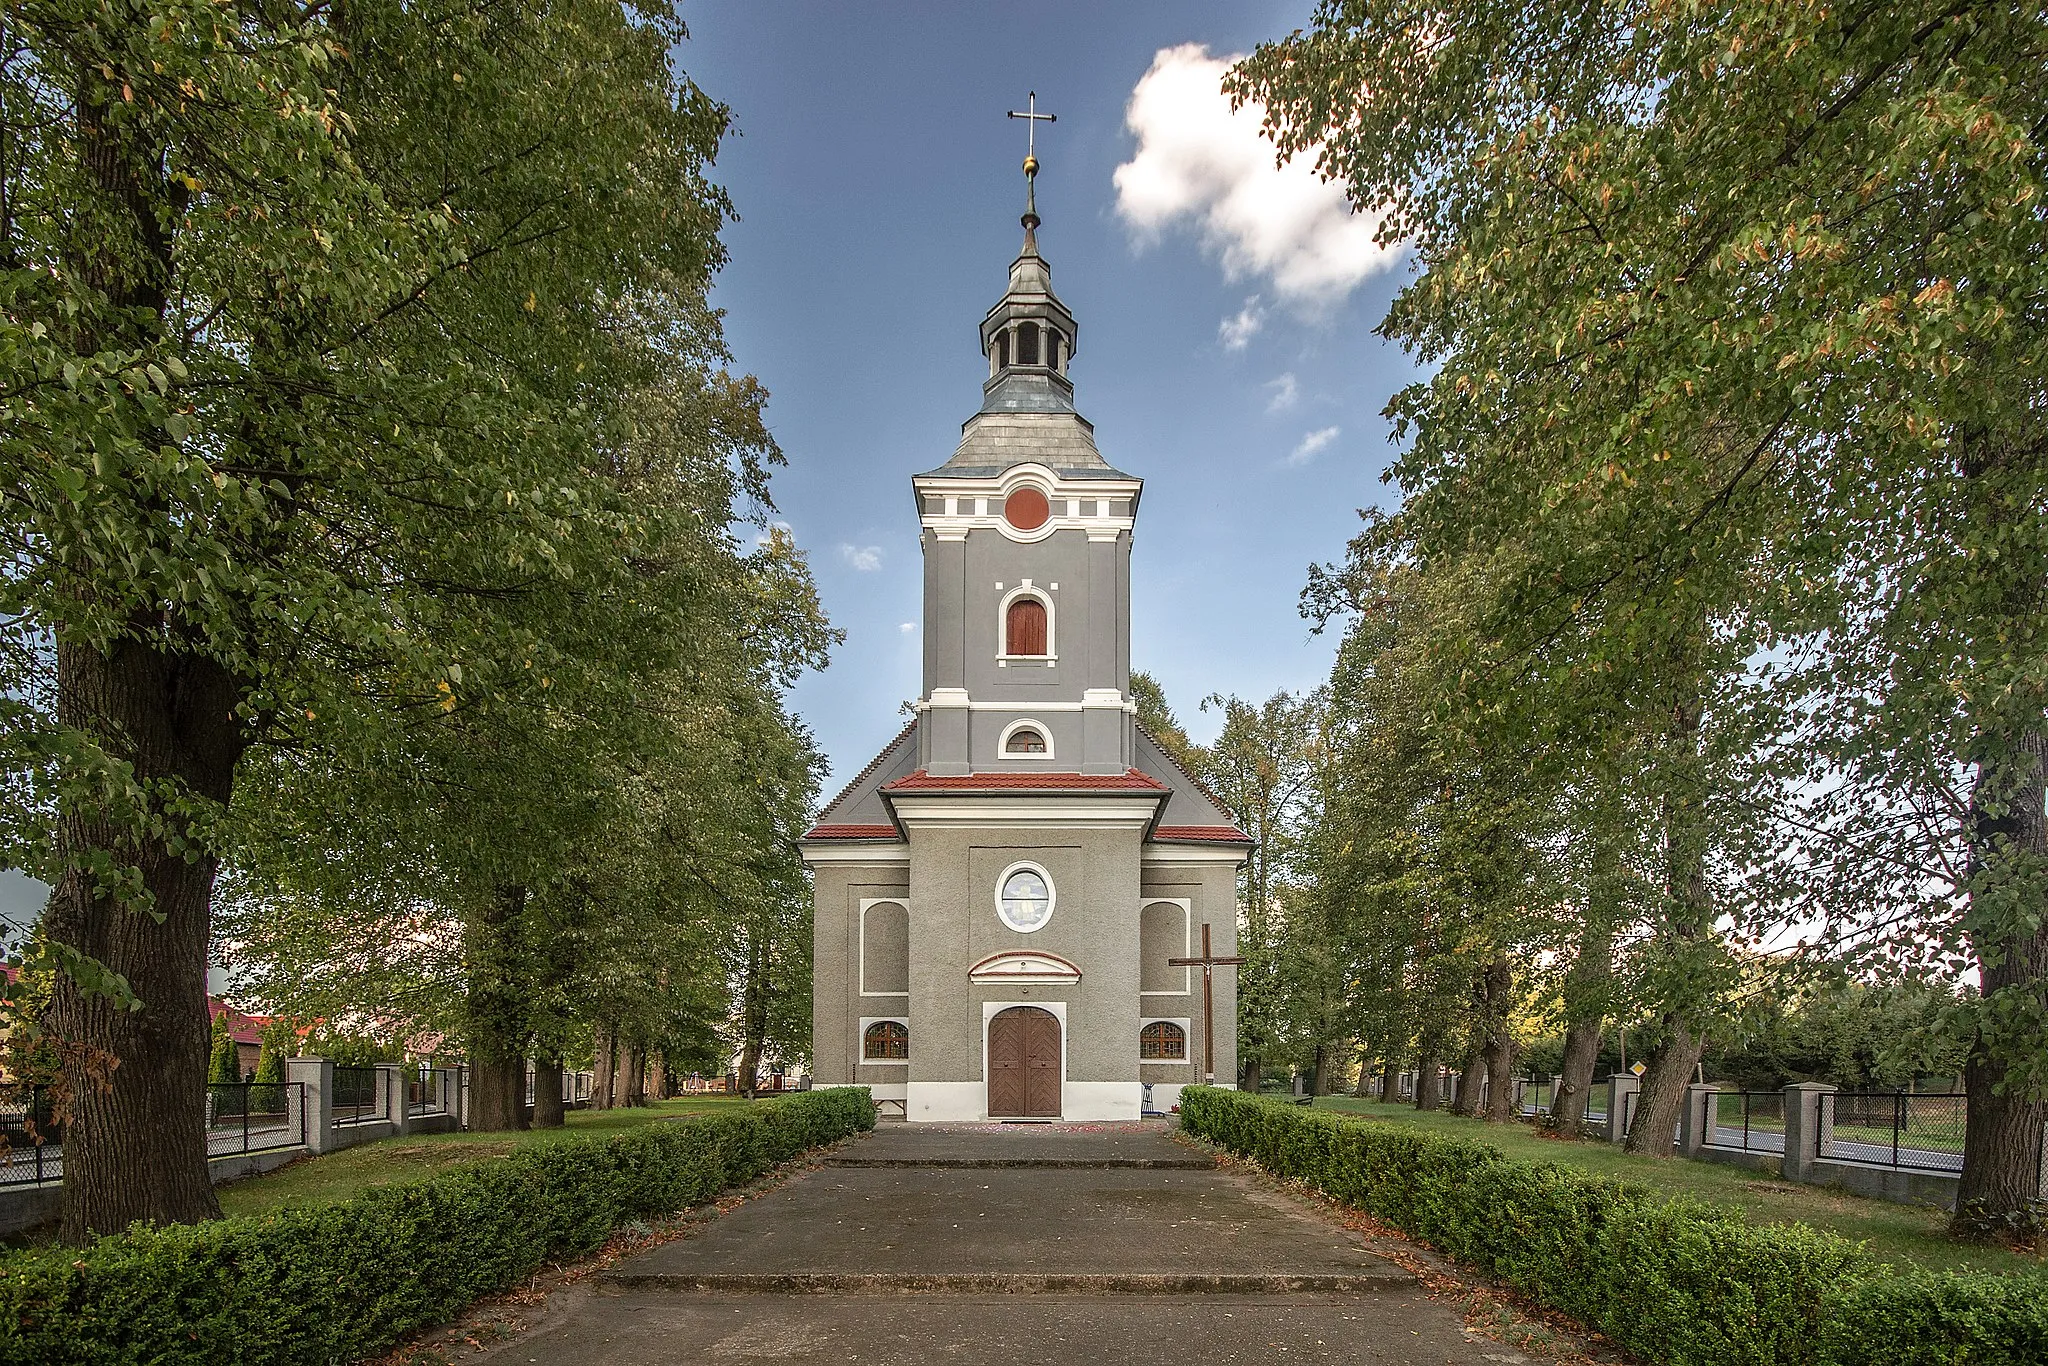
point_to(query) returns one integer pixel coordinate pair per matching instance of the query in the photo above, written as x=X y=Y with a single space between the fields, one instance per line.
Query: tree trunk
x=548 y=1109
x=1363 y=1090
x=1250 y=1077
x=1429 y=1090
x=151 y=698
x=1667 y=1073
x=135 y=1142
x=494 y=1010
x=1390 y=1082
x=633 y=1077
x=601 y=1068
x=497 y=1095
x=1498 y=984
x=1319 y=1071
x=1466 y=1100
x=1689 y=919
x=1585 y=995
x=2002 y=1140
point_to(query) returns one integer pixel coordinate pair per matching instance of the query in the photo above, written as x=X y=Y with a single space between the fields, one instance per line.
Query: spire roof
x=1027 y=409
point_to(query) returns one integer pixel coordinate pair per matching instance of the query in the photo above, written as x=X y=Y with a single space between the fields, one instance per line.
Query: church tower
x=999 y=893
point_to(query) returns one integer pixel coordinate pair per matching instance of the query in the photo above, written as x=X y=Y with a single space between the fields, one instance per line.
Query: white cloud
x=906 y=627
x=1312 y=443
x=1198 y=159
x=865 y=558
x=1236 y=333
x=1284 y=393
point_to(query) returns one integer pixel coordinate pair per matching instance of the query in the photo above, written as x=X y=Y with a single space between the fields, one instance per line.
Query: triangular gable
x=859 y=806
x=1191 y=807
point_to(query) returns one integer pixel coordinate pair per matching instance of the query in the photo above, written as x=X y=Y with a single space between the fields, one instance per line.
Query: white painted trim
x=861 y=925
x=1101 y=1100
x=1233 y=855
x=877 y=854
x=1166 y=1095
x=1044 y=733
x=1102 y=697
x=934 y=1102
x=1026 y=589
x=947 y=697
x=982 y=811
x=1056 y=1009
x=882 y=1090
x=860 y=1041
x=1187 y=940
x=1052 y=895
x=1187 y=1040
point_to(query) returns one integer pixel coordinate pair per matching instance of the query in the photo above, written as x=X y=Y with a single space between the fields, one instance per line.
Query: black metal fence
x=241 y=1117
x=1747 y=1121
x=254 y=1117
x=1892 y=1129
x=34 y=1139
x=358 y=1095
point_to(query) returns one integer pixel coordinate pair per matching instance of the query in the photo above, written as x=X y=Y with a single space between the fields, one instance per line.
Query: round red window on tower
x=1026 y=509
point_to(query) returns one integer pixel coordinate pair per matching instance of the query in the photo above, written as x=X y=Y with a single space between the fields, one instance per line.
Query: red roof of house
x=242 y=1028
x=1131 y=780
x=852 y=832
x=1202 y=834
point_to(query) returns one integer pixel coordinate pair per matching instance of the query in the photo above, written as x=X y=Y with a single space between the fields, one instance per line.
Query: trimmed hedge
x=340 y=1282
x=1679 y=1282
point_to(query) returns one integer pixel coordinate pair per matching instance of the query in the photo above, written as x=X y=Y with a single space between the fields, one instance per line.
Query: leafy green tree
x=1750 y=285
x=308 y=320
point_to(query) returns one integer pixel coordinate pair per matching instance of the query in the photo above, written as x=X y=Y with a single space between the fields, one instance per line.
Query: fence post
x=1696 y=1123
x=391 y=1082
x=317 y=1077
x=1620 y=1087
x=1803 y=1136
x=460 y=1108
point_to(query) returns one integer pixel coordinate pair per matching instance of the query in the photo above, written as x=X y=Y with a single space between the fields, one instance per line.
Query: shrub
x=345 y=1281
x=1672 y=1281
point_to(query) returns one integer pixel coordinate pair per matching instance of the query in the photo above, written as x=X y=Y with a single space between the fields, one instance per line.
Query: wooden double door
x=1024 y=1064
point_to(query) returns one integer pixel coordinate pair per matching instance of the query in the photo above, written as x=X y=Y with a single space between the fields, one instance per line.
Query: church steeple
x=1029 y=336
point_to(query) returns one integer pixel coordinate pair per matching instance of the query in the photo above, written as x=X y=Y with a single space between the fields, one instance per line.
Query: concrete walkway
x=1038 y=1245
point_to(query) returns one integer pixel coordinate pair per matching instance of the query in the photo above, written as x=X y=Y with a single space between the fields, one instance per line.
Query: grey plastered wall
x=1210 y=888
x=954 y=925
x=836 y=1003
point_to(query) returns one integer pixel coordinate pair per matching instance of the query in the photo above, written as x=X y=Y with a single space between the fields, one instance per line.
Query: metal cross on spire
x=1032 y=118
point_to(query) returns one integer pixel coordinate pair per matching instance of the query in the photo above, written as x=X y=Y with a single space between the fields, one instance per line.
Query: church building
x=1000 y=893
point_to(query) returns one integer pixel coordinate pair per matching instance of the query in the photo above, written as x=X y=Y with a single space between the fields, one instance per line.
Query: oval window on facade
x=1024 y=898
x=1026 y=509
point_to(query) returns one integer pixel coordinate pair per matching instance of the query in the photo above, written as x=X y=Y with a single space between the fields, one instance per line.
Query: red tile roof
x=1131 y=780
x=1201 y=834
x=852 y=832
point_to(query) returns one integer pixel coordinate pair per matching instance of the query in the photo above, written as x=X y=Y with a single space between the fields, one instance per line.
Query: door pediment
x=1024 y=966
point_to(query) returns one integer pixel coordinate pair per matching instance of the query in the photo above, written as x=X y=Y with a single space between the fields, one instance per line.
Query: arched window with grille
x=885 y=1041
x=1025 y=740
x=1024 y=628
x=1162 y=1041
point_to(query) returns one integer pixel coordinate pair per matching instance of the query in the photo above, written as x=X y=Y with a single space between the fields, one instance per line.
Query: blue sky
x=1226 y=312
x=1226 y=353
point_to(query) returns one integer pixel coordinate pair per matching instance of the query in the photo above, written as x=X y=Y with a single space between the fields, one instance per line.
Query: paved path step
x=1192 y=1162
x=1013 y=1283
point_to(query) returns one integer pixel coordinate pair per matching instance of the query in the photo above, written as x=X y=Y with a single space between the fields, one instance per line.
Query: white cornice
x=856 y=853
x=954 y=810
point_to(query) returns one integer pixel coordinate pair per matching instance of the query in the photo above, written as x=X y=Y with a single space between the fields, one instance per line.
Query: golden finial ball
x=1030 y=165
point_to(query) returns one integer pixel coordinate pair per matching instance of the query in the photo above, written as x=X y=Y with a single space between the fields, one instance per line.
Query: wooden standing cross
x=1208 y=962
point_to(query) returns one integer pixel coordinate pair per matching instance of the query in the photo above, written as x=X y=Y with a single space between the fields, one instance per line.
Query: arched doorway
x=1024 y=1064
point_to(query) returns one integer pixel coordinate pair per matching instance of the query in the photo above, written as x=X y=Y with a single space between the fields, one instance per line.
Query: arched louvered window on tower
x=1024 y=628
x=1002 y=350
x=1052 y=348
x=1027 y=343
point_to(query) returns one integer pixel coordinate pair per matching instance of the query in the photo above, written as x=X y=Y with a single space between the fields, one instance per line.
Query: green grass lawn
x=337 y=1176
x=1905 y=1234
